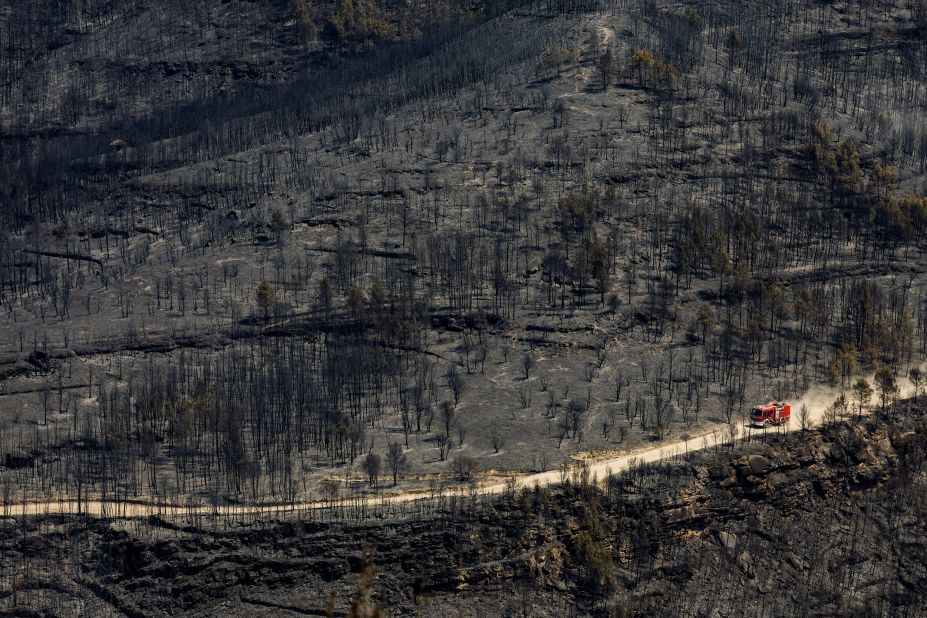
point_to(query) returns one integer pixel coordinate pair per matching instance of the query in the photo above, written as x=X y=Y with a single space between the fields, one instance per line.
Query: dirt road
x=122 y=509
x=817 y=398
x=600 y=468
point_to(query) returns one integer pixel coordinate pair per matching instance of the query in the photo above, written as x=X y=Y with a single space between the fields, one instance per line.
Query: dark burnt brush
x=309 y=251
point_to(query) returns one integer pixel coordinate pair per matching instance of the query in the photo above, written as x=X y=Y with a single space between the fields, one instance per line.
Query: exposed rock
x=728 y=539
x=745 y=562
x=777 y=480
x=720 y=472
x=682 y=514
x=758 y=464
x=866 y=475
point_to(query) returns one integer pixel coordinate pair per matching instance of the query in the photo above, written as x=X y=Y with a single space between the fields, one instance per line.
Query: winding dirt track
x=599 y=469
x=817 y=398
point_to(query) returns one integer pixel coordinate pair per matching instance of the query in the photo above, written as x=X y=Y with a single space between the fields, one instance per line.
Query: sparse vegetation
x=275 y=252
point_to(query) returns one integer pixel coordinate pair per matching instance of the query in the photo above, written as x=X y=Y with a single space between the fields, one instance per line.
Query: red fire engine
x=773 y=413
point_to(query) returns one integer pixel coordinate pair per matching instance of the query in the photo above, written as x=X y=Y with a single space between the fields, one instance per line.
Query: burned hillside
x=318 y=252
x=826 y=522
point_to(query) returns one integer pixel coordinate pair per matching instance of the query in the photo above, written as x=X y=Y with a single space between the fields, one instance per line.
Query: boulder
x=727 y=539
x=745 y=562
x=759 y=464
x=777 y=480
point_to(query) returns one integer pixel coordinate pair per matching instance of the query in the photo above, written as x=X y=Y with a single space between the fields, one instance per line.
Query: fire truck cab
x=773 y=413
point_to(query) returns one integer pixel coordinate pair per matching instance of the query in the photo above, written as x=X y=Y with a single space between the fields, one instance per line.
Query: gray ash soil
x=248 y=249
x=379 y=168
x=828 y=522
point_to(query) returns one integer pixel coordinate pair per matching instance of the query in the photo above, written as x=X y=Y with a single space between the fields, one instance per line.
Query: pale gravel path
x=817 y=398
